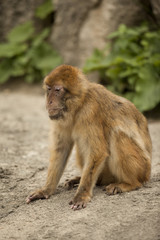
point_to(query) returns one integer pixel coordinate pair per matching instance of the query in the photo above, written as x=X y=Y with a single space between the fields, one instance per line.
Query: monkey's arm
x=58 y=160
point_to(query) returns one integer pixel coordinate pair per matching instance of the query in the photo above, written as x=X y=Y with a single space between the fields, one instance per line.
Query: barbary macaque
x=110 y=135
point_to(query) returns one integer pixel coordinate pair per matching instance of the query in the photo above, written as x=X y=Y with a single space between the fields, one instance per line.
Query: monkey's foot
x=71 y=183
x=79 y=202
x=113 y=189
x=39 y=194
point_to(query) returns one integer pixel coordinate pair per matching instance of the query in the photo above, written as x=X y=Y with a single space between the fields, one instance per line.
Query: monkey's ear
x=45 y=83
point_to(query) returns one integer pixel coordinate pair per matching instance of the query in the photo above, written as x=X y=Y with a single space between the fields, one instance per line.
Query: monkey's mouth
x=55 y=117
x=55 y=113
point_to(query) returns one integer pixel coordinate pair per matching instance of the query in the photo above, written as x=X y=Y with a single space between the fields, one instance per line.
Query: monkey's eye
x=48 y=88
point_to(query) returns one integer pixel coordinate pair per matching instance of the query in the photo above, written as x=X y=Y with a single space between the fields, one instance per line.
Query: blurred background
x=115 y=42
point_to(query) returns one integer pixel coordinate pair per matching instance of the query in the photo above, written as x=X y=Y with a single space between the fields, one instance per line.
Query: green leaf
x=18 y=69
x=149 y=97
x=11 y=49
x=132 y=79
x=48 y=62
x=44 y=10
x=147 y=94
x=29 y=78
x=122 y=29
x=23 y=59
x=128 y=71
x=21 y=33
x=40 y=37
x=113 y=35
x=97 y=62
x=45 y=58
x=5 y=71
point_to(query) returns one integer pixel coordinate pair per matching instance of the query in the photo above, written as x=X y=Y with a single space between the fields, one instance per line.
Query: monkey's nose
x=50 y=102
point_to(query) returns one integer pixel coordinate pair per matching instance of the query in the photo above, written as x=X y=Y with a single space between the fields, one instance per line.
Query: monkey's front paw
x=39 y=194
x=113 y=189
x=79 y=203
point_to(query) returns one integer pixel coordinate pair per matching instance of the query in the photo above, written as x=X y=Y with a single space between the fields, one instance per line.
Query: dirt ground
x=24 y=127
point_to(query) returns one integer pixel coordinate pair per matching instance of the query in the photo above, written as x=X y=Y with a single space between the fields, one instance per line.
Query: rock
x=81 y=26
x=14 y=12
x=156 y=9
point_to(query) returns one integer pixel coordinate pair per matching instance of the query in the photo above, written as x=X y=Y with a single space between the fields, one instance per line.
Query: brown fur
x=111 y=137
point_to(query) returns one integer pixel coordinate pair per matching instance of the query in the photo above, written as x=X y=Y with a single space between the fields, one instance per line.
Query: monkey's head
x=65 y=87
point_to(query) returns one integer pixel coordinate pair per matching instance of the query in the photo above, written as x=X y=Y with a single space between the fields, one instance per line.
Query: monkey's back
x=116 y=114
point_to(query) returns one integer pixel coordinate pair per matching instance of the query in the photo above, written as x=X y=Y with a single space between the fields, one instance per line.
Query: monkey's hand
x=79 y=202
x=39 y=194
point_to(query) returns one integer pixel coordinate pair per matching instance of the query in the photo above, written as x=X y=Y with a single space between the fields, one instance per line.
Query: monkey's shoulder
x=99 y=94
x=102 y=103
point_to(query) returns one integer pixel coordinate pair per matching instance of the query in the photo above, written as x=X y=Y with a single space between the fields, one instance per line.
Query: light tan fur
x=111 y=137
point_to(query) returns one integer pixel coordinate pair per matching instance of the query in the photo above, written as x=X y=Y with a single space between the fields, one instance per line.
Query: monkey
x=111 y=136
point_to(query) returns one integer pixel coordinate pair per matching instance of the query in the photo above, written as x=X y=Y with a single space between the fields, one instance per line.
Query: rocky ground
x=24 y=154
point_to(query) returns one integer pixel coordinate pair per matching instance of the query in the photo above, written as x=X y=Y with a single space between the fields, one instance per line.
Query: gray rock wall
x=81 y=26
x=14 y=12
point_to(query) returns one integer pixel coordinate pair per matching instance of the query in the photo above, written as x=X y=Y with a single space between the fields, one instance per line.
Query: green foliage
x=21 y=33
x=26 y=54
x=44 y=10
x=130 y=65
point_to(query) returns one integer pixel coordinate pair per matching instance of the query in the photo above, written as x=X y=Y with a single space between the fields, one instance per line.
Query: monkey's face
x=55 y=101
x=64 y=87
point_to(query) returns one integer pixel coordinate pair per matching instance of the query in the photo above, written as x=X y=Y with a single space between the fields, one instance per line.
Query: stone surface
x=81 y=26
x=156 y=9
x=14 y=12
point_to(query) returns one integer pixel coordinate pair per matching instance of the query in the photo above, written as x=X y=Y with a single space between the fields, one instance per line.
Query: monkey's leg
x=71 y=183
x=90 y=173
x=105 y=177
x=57 y=164
x=128 y=163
